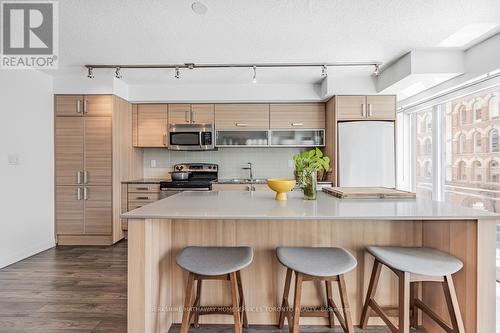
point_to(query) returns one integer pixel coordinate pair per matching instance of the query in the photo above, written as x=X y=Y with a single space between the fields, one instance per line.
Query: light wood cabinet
x=137 y=195
x=150 y=124
x=69 y=138
x=381 y=107
x=297 y=116
x=376 y=107
x=68 y=105
x=241 y=116
x=350 y=107
x=98 y=151
x=69 y=210
x=92 y=155
x=191 y=113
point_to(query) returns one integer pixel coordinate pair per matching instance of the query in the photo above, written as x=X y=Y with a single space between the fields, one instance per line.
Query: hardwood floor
x=84 y=290
x=66 y=289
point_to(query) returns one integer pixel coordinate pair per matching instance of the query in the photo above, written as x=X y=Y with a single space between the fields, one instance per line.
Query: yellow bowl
x=281 y=186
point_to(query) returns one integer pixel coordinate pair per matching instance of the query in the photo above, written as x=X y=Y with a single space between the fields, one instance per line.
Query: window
x=461 y=171
x=477 y=171
x=461 y=144
x=477 y=142
x=493 y=138
x=463 y=114
x=423 y=153
x=476 y=108
x=493 y=107
x=427 y=146
x=493 y=172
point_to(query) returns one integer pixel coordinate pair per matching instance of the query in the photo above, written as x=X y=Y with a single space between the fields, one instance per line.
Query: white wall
x=27 y=189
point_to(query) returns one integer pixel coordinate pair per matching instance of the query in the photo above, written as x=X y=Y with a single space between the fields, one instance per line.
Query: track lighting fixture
x=177 y=73
x=90 y=74
x=376 y=72
x=118 y=73
x=254 y=80
x=324 y=71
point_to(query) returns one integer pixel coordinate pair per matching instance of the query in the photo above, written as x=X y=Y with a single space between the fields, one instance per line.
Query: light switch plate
x=290 y=164
x=153 y=163
x=13 y=159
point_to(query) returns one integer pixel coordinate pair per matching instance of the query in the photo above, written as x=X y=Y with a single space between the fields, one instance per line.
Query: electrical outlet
x=290 y=164
x=13 y=159
x=153 y=163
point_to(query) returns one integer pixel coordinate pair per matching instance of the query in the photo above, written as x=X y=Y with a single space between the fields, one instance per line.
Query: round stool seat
x=213 y=261
x=317 y=261
x=417 y=260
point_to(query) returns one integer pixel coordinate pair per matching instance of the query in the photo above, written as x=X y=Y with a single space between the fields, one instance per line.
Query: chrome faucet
x=250 y=168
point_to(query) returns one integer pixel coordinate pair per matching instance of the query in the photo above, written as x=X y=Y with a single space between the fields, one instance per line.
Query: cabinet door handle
x=369 y=110
x=78 y=110
x=165 y=139
x=78 y=177
x=85 y=176
x=186 y=116
x=79 y=193
x=85 y=106
x=240 y=124
x=297 y=124
x=192 y=117
x=363 y=110
x=85 y=193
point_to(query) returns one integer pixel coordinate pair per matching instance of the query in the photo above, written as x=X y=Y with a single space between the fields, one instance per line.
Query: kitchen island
x=158 y=231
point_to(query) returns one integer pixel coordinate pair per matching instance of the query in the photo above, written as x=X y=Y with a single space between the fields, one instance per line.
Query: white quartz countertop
x=261 y=205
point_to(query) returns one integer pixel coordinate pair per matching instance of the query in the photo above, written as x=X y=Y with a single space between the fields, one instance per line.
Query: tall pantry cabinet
x=93 y=155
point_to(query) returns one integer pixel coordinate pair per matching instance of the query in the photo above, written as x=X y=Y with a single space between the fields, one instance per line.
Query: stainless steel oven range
x=199 y=178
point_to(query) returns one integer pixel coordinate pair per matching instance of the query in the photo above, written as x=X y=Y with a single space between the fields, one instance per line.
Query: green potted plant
x=307 y=164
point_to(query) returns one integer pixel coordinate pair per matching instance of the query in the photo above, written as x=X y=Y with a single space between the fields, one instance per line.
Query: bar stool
x=315 y=264
x=413 y=265
x=214 y=263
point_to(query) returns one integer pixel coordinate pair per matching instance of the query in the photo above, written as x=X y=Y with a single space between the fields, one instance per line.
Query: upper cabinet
x=191 y=113
x=375 y=107
x=297 y=116
x=241 y=116
x=78 y=105
x=149 y=124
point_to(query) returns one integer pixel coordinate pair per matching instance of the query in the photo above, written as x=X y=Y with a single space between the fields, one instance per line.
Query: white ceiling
x=237 y=31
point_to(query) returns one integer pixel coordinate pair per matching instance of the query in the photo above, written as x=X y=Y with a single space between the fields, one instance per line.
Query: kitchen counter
x=261 y=205
x=144 y=181
x=159 y=231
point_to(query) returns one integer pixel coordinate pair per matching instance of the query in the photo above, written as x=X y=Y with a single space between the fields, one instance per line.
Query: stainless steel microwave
x=191 y=137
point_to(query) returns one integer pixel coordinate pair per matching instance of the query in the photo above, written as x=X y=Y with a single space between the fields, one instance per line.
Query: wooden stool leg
x=243 y=311
x=452 y=302
x=285 y=307
x=187 y=304
x=372 y=288
x=414 y=308
x=196 y=305
x=296 y=302
x=235 y=306
x=329 y=302
x=404 y=302
x=345 y=305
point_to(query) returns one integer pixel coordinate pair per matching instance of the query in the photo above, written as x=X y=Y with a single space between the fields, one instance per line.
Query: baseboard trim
x=28 y=251
x=85 y=240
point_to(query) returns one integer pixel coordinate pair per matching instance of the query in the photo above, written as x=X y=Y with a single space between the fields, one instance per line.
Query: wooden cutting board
x=368 y=193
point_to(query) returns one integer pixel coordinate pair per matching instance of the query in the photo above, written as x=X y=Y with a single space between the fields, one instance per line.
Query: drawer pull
x=241 y=124
x=297 y=124
x=143 y=188
x=142 y=198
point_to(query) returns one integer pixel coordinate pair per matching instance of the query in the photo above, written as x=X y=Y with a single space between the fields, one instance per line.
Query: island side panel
x=473 y=242
x=149 y=276
x=263 y=280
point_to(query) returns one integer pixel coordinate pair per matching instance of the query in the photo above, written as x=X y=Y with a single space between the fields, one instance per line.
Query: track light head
x=324 y=71
x=177 y=73
x=254 y=79
x=376 y=71
x=118 y=73
x=90 y=74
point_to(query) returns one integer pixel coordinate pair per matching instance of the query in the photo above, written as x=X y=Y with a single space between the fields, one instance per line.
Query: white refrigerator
x=366 y=154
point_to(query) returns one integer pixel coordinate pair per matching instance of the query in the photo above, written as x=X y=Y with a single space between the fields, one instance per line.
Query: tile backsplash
x=268 y=162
